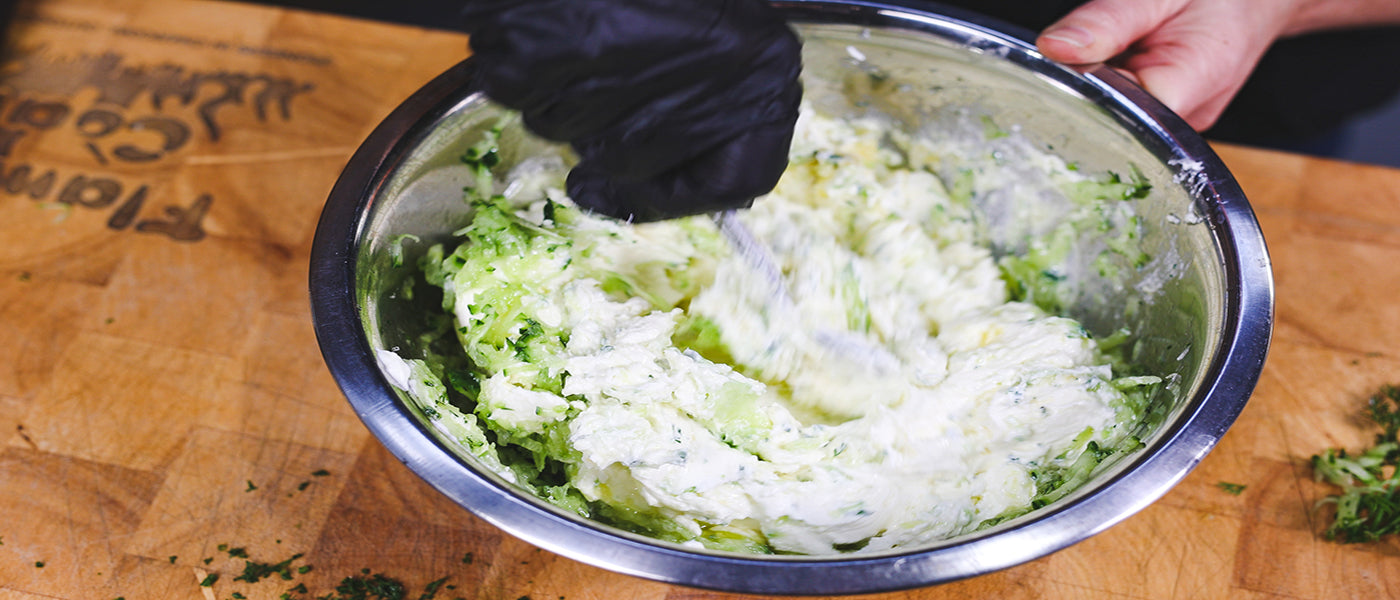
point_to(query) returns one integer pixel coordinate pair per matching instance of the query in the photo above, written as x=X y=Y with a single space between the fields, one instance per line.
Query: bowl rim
x=1247 y=312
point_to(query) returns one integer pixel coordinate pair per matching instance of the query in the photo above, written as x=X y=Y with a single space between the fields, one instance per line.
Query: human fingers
x=671 y=128
x=1200 y=118
x=1196 y=93
x=1197 y=60
x=1194 y=60
x=647 y=91
x=1102 y=29
x=728 y=176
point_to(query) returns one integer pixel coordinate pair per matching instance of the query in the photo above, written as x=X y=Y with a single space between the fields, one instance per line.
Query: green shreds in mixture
x=644 y=376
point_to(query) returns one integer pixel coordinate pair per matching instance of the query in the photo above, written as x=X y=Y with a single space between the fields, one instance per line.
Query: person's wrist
x=1317 y=15
x=1312 y=15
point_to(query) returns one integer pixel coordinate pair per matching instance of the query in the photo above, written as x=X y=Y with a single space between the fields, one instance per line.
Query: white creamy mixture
x=802 y=445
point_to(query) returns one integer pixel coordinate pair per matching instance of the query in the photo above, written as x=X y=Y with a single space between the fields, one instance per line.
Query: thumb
x=1102 y=29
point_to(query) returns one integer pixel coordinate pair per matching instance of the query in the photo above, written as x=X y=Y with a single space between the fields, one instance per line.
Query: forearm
x=1317 y=15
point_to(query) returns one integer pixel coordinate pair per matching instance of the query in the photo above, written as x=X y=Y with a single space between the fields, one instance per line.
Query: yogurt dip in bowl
x=1076 y=294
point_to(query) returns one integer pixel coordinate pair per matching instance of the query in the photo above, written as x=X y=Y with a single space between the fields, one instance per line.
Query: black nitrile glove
x=675 y=107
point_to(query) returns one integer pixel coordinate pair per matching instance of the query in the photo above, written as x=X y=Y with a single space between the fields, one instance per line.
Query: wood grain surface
x=164 y=409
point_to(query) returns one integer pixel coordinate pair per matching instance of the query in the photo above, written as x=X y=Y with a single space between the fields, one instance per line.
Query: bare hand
x=1193 y=55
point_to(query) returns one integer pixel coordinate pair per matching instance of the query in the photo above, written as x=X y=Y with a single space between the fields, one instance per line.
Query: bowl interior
x=971 y=87
x=932 y=86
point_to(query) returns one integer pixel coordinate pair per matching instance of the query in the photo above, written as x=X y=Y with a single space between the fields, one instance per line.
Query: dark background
x=1333 y=94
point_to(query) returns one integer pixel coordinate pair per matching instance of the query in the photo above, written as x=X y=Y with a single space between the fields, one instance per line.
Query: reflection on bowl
x=1200 y=311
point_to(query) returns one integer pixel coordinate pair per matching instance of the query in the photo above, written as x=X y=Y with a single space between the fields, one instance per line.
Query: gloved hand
x=675 y=107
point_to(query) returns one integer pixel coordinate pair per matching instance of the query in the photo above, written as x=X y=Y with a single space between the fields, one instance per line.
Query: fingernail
x=1069 y=34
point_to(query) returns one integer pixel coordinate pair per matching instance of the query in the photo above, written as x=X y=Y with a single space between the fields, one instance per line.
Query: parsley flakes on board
x=1368 y=508
x=367 y=585
x=1233 y=489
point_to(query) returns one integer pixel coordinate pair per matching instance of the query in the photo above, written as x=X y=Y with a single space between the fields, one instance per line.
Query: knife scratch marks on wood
x=1301 y=478
x=25 y=436
x=262 y=157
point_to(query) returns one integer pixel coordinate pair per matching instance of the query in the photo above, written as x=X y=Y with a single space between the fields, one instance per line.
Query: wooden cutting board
x=164 y=408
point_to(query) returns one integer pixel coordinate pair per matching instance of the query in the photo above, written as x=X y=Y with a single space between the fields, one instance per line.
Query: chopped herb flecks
x=377 y=586
x=430 y=591
x=1368 y=508
x=254 y=571
x=369 y=585
x=1231 y=488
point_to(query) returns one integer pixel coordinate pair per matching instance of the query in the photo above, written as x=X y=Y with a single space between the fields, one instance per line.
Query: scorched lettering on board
x=124 y=114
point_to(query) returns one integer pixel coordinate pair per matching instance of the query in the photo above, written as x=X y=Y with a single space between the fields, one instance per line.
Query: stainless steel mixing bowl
x=1201 y=312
